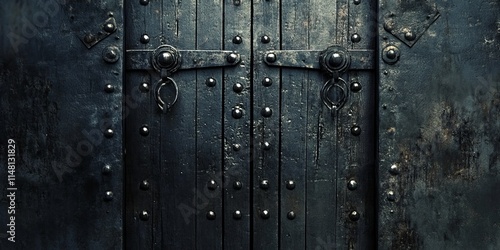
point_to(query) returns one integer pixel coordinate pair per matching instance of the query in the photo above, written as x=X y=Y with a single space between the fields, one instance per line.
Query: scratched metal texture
x=54 y=105
x=439 y=123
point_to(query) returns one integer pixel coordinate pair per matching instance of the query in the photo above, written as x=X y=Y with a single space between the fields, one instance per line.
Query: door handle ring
x=334 y=105
x=159 y=101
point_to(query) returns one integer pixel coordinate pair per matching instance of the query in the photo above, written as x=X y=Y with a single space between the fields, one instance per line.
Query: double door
x=250 y=124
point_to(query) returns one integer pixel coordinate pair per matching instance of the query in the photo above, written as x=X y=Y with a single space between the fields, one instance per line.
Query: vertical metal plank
x=322 y=171
x=56 y=106
x=439 y=128
x=178 y=135
x=209 y=108
x=236 y=136
x=140 y=131
x=266 y=125
x=359 y=174
x=296 y=145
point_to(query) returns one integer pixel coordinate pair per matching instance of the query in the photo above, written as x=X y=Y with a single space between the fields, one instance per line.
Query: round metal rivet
x=237 y=185
x=144 y=39
x=356 y=2
x=355 y=38
x=108 y=196
x=266 y=145
x=211 y=82
x=144 y=2
x=237 y=2
x=264 y=214
x=237 y=113
x=238 y=87
x=266 y=112
x=111 y=54
x=290 y=185
x=355 y=130
x=355 y=86
x=352 y=185
x=165 y=59
x=144 y=87
x=389 y=26
x=237 y=214
x=212 y=185
x=265 y=39
x=385 y=72
x=264 y=184
x=106 y=169
x=144 y=215
x=291 y=215
x=336 y=60
x=237 y=39
x=109 y=88
x=391 y=54
x=394 y=170
x=144 y=130
x=236 y=147
x=271 y=57
x=211 y=215
x=109 y=133
x=144 y=185
x=391 y=196
x=267 y=82
x=89 y=38
x=410 y=36
x=109 y=27
x=354 y=215
x=231 y=58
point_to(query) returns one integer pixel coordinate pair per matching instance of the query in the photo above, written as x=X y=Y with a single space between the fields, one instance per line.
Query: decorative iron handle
x=161 y=104
x=334 y=105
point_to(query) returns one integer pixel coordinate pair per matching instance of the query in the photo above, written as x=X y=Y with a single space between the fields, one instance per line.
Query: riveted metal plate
x=408 y=20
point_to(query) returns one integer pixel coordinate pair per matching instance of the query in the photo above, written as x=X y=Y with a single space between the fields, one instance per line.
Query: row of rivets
x=106 y=170
x=264 y=214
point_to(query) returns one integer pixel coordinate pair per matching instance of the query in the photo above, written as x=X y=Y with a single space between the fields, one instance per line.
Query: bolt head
x=335 y=60
x=291 y=215
x=238 y=87
x=211 y=215
x=165 y=59
x=108 y=196
x=271 y=57
x=354 y=215
x=237 y=185
x=264 y=184
x=236 y=147
x=410 y=36
x=290 y=185
x=391 y=54
x=144 y=2
x=109 y=88
x=267 y=82
x=237 y=214
x=106 y=169
x=144 y=87
x=265 y=39
x=355 y=130
x=237 y=39
x=144 y=39
x=355 y=86
x=212 y=185
x=355 y=38
x=266 y=145
x=144 y=130
x=111 y=54
x=266 y=112
x=89 y=38
x=144 y=215
x=237 y=113
x=109 y=27
x=232 y=58
x=144 y=185
x=264 y=214
x=109 y=133
x=352 y=185
x=211 y=82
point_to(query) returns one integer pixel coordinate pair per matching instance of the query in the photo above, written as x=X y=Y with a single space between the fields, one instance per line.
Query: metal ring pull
x=161 y=104
x=334 y=105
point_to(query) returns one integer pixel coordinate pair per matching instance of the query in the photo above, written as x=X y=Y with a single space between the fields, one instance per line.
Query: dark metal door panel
x=305 y=158
x=195 y=155
x=60 y=106
x=439 y=123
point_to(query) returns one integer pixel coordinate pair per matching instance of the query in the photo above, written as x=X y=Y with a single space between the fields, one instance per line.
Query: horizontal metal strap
x=189 y=59
x=309 y=59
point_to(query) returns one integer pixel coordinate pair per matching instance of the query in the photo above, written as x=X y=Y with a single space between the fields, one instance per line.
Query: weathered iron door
x=249 y=125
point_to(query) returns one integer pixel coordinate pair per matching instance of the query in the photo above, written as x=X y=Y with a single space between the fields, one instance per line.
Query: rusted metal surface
x=439 y=138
